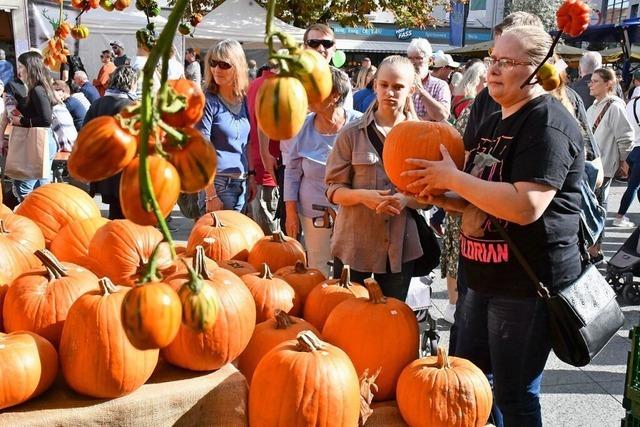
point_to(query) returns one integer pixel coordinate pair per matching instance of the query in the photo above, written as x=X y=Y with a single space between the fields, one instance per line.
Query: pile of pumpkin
x=71 y=294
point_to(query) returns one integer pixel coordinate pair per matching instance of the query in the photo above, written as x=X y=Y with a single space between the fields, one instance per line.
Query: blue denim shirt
x=229 y=134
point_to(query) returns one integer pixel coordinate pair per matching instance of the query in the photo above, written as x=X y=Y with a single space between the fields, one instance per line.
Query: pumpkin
x=166 y=187
x=96 y=356
x=315 y=75
x=103 y=148
x=194 y=104
x=251 y=229
x=121 y=249
x=215 y=347
x=302 y=280
x=200 y=303
x=29 y=367
x=53 y=206
x=418 y=140
x=281 y=107
x=181 y=270
x=151 y=314
x=80 y=32
x=270 y=293
x=327 y=295
x=195 y=160
x=573 y=17
x=39 y=300
x=72 y=243
x=268 y=334
x=220 y=242
x=4 y=286
x=304 y=382
x=548 y=77
x=4 y=210
x=19 y=238
x=277 y=251
x=439 y=391
x=239 y=268
x=378 y=332
x=121 y=4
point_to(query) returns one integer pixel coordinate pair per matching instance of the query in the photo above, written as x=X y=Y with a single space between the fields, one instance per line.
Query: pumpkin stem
x=345 y=277
x=265 y=273
x=278 y=237
x=283 y=320
x=368 y=388
x=55 y=269
x=151 y=275
x=443 y=358
x=308 y=342
x=216 y=220
x=375 y=293
x=106 y=286
x=300 y=268
x=198 y=263
x=3 y=230
x=195 y=280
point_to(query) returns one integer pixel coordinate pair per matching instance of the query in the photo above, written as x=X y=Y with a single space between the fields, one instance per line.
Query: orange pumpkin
x=239 y=268
x=268 y=334
x=96 y=356
x=4 y=286
x=277 y=251
x=220 y=242
x=304 y=382
x=376 y=333
x=180 y=269
x=166 y=187
x=19 y=238
x=270 y=293
x=442 y=391
x=72 y=243
x=327 y=295
x=121 y=250
x=573 y=17
x=4 y=210
x=200 y=302
x=281 y=107
x=418 y=140
x=39 y=300
x=302 y=280
x=315 y=75
x=195 y=160
x=194 y=99
x=53 y=206
x=29 y=367
x=215 y=347
x=252 y=231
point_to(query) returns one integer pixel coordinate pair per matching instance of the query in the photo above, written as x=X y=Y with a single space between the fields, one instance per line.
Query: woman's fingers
x=418 y=184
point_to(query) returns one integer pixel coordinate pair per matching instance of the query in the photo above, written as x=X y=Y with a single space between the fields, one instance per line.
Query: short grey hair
x=420 y=45
x=3 y=54
x=590 y=62
x=81 y=75
x=123 y=78
x=341 y=84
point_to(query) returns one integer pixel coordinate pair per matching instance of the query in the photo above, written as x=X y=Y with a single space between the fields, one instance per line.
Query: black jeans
x=395 y=285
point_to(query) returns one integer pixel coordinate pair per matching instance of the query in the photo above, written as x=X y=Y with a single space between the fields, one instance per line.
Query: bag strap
x=601 y=115
x=635 y=112
x=374 y=138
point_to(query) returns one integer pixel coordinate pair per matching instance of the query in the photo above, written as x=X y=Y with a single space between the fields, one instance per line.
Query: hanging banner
x=457 y=18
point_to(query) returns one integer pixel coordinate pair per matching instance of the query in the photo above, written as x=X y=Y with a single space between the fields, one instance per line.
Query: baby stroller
x=418 y=298
x=623 y=266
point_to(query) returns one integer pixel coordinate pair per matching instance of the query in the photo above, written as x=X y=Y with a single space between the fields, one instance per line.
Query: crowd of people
x=527 y=154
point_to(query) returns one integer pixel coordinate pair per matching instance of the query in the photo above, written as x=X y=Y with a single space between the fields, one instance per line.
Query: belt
x=243 y=175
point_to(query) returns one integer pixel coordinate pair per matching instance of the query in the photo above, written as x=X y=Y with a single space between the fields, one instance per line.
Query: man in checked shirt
x=432 y=97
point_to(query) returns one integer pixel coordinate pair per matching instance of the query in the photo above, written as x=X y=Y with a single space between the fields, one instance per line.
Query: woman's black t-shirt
x=541 y=143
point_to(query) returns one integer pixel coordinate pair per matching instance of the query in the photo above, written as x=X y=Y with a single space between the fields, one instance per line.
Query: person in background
x=454 y=81
x=120 y=93
x=305 y=172
x=37 y=112
x=176 y=69
x=363 y=98
x=105 y=71
x=138 y=65
x=82 y=81
x=253 y=70
x=365 y=74
x=192 y=71
x=633 y=159
x=226 y=123
x=589 y=62
x=118 y=51
x=432 y=97
x=75 y=107
x=63 y=126
x=443 y=66
x=6 y=68
x=13 y=98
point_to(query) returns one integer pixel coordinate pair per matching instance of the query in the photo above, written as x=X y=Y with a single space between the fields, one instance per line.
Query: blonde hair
x=399 y=62
x=229 y=51
x=535 y=41
x=560 y=93
x=470 y=79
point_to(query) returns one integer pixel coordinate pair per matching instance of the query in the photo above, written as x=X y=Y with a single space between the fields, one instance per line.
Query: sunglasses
x=223 y=65
x=314 y=43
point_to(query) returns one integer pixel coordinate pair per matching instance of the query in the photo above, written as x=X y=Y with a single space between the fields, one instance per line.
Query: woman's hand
x=252 y=188
x=373 y=198
x=393 y=204
x=15 y=120
x=214 y=204
x=431 y=175
x=450 y=202
x=292 y=224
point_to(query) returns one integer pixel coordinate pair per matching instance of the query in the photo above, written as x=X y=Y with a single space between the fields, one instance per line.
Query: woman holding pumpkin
x=226 y=122
x=525 y=170
x=373 y=232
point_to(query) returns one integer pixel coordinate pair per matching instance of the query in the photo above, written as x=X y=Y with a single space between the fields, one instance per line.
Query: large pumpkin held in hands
x=276 y=251
x=418 y=140
x=281 y=107
x=444 y=391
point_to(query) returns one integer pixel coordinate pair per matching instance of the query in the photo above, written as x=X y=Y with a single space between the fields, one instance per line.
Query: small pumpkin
x=195 y=160
x=80 y=32
x=277 y=251
x=200 y=303
x=376 y=333
x=121 y=4
x=19 y=239
x=270 y=293
x=573 y=17
x=194 y=104
x=314 y=74
x=302 y=280
x=548 y=77
x=268 y=334
x=184 y=28
x=220 y=242
x=304 y=382
x=281 y=107
x=324 y=297
x=442 y=391
x=418 y=140
x=239 y=268
x=29 y=367
x=63 y=30
x=72 y=243
x=251 y=230
x=110 y=366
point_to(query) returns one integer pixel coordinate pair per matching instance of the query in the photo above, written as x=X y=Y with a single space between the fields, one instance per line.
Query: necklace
x=233 y=107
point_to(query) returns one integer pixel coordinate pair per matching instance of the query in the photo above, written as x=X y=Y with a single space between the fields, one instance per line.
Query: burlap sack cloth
x=385 y=414
x=172 y=396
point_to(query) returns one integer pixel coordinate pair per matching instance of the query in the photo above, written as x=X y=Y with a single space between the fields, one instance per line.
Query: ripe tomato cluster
x=180 y=158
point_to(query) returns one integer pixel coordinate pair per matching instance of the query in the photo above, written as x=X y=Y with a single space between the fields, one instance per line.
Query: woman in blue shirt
x=226 y=122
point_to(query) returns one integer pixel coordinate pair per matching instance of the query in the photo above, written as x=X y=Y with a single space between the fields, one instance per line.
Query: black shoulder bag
x=583 y=316
x=430 y=248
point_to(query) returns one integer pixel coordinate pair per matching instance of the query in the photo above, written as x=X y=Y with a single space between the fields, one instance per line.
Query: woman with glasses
x=525 y=171
x=226 y=122
x=102 y=81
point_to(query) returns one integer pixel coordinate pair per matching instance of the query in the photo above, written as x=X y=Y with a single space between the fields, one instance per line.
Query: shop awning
x=351 y=45
x=480 y=50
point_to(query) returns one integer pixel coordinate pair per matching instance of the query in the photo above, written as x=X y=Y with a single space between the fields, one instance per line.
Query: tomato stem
x=175 y=135
x=549 y=55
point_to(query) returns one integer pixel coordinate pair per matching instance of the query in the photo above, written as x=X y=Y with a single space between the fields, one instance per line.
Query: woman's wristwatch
x=210 y=198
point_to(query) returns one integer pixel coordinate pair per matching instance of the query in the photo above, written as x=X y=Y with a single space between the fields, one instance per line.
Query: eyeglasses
x=592 y=82
x=223 y=65
x=314 y=43
x=504 y=63
x=416 y=58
